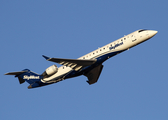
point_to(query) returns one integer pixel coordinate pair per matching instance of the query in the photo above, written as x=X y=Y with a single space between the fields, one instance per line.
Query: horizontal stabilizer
x=75 y=64
x=15 y=73
x=26 y=75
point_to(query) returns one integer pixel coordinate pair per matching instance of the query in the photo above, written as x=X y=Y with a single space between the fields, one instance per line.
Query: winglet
x=46 y=57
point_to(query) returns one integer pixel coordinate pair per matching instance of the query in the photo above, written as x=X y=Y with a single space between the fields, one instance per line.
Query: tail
x=30 y=77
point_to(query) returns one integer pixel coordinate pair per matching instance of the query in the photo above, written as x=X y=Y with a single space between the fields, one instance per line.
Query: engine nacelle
x=50 y=71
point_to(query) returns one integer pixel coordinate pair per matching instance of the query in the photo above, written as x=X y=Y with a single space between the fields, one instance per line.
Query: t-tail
x=32 y=78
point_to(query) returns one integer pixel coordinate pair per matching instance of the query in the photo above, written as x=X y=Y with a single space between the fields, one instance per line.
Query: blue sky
x=133 y=85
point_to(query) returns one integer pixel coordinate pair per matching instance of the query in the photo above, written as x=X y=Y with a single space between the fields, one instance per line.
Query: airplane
x=89 y=65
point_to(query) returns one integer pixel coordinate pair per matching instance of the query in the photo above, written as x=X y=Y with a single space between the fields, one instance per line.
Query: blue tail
x=32 y=78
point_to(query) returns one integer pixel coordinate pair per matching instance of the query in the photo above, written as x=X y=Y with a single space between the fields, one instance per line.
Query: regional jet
x=89 y=65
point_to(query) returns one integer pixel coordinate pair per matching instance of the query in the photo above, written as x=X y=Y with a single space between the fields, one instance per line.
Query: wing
x=75 y=64
x=94 y=74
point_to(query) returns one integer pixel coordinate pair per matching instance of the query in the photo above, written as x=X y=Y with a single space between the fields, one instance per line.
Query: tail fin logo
x=31 y=77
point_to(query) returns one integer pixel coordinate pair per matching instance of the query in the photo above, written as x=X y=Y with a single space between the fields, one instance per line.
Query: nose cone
x=152 y=33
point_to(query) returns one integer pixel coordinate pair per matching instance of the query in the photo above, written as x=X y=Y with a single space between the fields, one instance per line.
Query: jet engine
x=50 y=71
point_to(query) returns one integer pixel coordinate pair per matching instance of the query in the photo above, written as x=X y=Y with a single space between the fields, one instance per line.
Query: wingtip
x=46 y=57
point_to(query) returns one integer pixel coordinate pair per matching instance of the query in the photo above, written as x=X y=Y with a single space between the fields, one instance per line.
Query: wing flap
x=75 y=64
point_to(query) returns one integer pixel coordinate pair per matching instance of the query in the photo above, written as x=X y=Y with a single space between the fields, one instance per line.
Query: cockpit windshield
x=142 y=30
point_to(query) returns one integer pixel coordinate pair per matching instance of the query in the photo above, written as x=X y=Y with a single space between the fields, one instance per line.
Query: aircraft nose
x=153 y=33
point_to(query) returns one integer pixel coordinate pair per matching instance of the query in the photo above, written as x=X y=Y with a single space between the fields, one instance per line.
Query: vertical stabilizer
x=32 y=78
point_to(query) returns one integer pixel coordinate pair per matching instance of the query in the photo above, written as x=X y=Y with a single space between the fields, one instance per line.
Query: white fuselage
x=119 y=45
